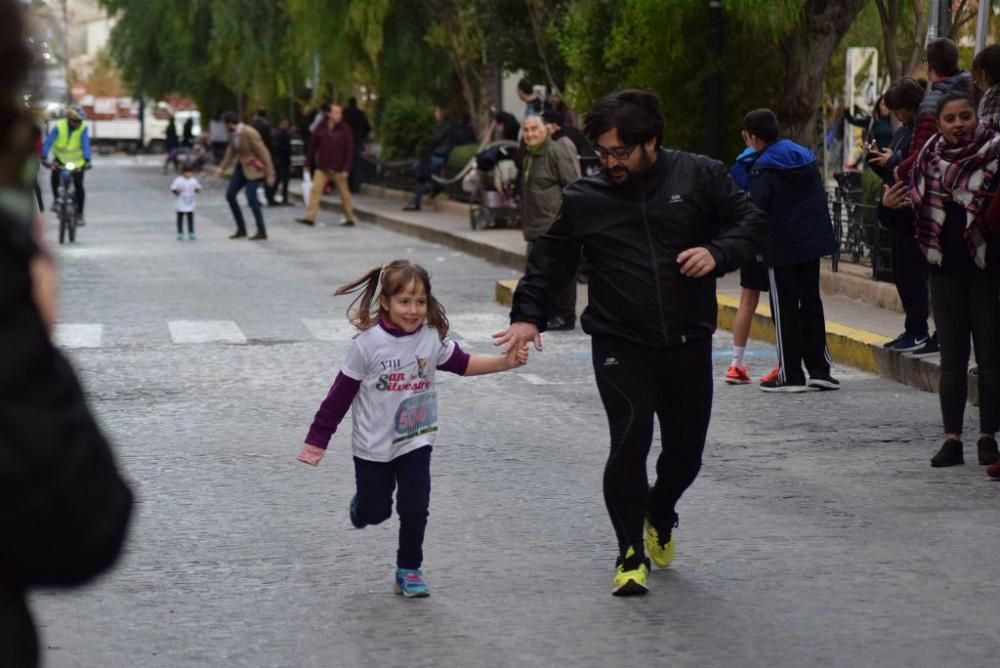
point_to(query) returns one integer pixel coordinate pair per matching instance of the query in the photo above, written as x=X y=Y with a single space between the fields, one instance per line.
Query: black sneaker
x=355 y=520
x=777 y=385
x=950 y=454
x=890 y=344
x=929 y=348
x=988 y=452
x=824 y=382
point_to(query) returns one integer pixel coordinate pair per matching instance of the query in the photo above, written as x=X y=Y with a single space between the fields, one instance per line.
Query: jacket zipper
x=656 y=271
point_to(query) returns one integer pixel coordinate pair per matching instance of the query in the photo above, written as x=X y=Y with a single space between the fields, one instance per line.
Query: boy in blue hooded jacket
x=785 y=182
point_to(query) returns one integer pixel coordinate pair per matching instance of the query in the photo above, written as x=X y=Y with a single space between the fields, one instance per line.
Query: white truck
x=114 y=123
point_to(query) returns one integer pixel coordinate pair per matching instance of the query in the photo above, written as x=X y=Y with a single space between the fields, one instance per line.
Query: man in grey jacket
x=548 y=167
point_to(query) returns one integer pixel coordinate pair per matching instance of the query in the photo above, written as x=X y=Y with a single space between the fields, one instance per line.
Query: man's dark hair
x=230 y=117
x=904 y=94
x=942 y=56
x=762 y=124
x=525 y=87
x=634 y=113
x=987 y=62
x=955 y=96
x=352 y=102
x=262 y=113
x=554 y=116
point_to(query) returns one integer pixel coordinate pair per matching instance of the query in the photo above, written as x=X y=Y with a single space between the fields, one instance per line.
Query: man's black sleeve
x=744 y=228
x=551 y=265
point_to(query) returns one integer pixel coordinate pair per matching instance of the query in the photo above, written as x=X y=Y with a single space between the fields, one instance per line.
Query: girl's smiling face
x=957 y=121
x=407 y=309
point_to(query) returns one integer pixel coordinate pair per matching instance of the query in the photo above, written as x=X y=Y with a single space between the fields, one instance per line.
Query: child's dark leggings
x=180 y=221
x=376 y=480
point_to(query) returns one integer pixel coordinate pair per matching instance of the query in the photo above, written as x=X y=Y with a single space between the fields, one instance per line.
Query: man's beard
x=623 y=176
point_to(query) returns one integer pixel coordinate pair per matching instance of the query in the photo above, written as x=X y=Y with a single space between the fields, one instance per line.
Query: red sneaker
x=738 y=375
x=771 y=376
x=993 y=470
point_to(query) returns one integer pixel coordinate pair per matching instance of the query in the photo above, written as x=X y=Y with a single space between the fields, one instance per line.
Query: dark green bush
x=406 y=123
x=459 y=156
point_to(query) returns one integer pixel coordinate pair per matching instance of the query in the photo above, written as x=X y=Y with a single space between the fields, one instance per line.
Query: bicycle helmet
x=75 y=113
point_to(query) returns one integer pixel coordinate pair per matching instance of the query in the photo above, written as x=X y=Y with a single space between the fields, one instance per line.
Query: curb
x=847 y=345
x=481 y=249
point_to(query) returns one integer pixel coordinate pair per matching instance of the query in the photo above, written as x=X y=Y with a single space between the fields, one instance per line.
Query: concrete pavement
x=816 y=534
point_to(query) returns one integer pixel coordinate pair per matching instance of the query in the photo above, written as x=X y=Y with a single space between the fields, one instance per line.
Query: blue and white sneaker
x=410 y=583
x=908 y=343
x=355 y=520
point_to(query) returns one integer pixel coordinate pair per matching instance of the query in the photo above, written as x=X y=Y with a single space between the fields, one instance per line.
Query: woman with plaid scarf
x=950 y=191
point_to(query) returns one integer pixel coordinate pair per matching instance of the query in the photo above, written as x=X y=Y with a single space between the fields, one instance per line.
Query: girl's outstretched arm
x=483 y=364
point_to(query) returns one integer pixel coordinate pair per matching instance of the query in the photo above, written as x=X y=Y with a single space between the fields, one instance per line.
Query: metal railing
x=862 y=241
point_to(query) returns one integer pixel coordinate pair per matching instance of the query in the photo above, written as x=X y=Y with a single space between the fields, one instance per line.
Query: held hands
x=895 y=196
x=516 y=357
x=517 y=336
x=311 y=454
x=696 y=262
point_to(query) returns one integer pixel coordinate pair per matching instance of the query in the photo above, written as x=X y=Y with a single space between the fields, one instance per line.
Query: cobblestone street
x=816 y=535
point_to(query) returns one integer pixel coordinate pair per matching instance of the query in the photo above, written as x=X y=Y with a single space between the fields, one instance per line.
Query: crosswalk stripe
x=477 y=326
x=330 y=329
x=78 y=335
x=205 y=331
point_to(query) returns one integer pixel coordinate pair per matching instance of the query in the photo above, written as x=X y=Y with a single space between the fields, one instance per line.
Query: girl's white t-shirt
x=395 y=409
x=187 y=189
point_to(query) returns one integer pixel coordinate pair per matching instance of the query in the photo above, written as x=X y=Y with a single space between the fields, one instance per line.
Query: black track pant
x=909 y=273
x=636 y=383
x=180 y=221
x=967 y=304
x=376 y=481
x=798 y=315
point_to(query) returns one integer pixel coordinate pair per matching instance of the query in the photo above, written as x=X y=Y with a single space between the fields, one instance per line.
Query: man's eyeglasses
x=619 y=153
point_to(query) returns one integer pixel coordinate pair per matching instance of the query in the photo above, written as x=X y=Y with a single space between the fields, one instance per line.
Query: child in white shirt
x=185 y=187
x=388 y=382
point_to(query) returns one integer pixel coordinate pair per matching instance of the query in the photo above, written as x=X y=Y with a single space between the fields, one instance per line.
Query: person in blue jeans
x=433 y=162
x=253 y=165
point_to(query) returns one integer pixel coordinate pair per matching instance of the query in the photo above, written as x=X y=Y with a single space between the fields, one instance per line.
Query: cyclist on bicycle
x=69 y=141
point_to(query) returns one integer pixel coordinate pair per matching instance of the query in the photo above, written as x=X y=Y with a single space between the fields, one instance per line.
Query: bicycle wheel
x=71 y=226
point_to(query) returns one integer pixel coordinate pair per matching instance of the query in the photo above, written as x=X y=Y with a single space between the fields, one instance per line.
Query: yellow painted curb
x=505 y=291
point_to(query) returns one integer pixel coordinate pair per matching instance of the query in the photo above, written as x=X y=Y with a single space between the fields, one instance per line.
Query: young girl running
x=388 y=381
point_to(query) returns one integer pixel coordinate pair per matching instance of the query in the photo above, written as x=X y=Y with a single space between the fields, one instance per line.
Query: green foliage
x=406 y=123
x=614 y=44
x=460 y=156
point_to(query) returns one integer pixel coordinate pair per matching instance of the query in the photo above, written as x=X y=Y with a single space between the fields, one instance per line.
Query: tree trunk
x=807 y=52
x=888 y=12
x=920 y=18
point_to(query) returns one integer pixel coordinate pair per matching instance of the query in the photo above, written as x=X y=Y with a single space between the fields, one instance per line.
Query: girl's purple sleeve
x=457 y=363
x=332 y=410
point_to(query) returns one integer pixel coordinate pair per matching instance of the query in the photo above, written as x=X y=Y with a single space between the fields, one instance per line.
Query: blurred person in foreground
x=64 y=508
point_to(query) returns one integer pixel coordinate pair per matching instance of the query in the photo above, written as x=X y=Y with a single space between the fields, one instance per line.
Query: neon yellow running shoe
x=660 y=543
x=631 y=575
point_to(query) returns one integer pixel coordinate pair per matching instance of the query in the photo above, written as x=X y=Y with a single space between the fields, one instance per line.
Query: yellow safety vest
x=68 y=146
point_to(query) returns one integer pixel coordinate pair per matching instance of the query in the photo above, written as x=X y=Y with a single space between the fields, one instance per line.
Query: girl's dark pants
x=376 y=481
x=635 y=383
x=967 y=303
x=180 y=221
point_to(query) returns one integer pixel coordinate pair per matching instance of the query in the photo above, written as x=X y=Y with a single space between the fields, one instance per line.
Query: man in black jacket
x=656 y=228
x=433 y=162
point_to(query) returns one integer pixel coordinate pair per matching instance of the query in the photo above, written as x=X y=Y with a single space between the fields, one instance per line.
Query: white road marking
x=69 y=335
x=205 y=331
x=535 y=380
x=477 y=326
x=330 y=330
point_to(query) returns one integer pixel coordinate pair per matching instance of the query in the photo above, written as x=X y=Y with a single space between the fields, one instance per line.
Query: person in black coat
x=173 y=145
x=433 y=162
x=785 y=182
x=64 y=508
x=281 y=151
x=360 y=129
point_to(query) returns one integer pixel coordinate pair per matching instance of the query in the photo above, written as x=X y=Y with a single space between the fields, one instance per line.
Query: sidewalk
x=861 y=314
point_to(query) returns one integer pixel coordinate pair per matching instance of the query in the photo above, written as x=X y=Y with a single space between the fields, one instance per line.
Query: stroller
x=491 y=182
